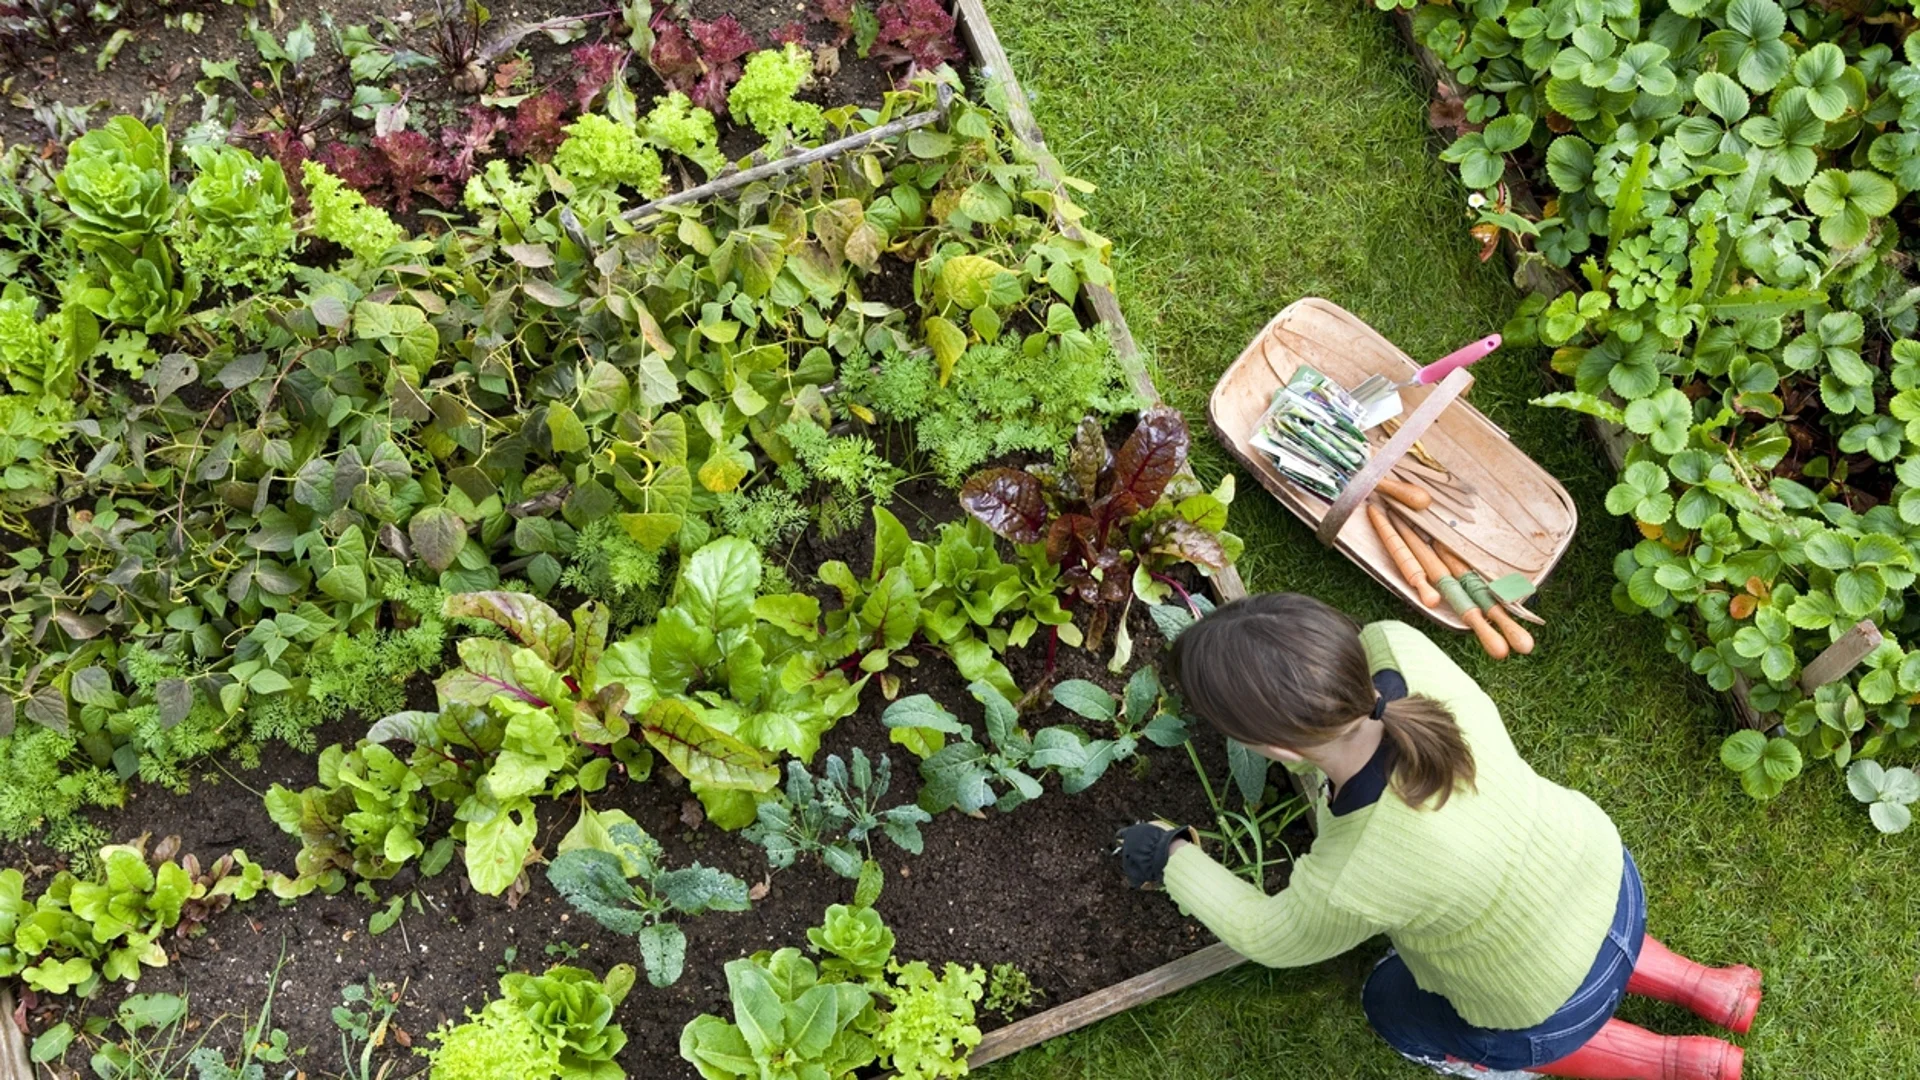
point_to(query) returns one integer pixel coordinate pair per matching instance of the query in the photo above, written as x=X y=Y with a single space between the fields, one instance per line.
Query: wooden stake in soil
x=1842 y=656
x=734 y=181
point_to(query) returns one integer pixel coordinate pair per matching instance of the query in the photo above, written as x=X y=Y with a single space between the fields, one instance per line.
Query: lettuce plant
x=242 y=220
x=860 y=942
x=364 y=815
x=107 y=926
x=601 y=153
x=116 y=184
x=610 y=869
x=679 y=126
x=137 y=288
x=342 y=216
x=792 y=1025
x=764 y=95
x=930 y=1031
x=554 y=1026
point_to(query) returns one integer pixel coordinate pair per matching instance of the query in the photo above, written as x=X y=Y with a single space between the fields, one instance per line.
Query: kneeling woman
x=1516 y=917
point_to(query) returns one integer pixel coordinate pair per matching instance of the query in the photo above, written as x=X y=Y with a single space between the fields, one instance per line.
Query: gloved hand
x=1143 y=850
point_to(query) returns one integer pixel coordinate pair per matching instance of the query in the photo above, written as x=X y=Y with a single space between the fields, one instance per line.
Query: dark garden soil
x=161 y=64
x=1036 y=887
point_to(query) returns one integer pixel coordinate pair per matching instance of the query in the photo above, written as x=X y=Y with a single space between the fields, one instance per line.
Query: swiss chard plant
x=1110 y=518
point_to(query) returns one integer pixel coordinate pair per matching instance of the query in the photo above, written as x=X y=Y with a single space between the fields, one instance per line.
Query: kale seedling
x=836 y=816
x=610 y=869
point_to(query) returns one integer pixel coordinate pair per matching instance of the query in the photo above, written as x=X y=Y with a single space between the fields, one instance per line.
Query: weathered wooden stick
x=733 y=181
x=14 y=1063
x=1101 y=1004
x=1842 y=656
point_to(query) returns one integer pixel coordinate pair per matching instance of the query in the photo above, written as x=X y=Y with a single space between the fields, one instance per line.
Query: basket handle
x=1354 y=495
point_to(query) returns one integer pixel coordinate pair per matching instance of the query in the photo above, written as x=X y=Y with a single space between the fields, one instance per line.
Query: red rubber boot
x=1727 y=997
x=1622 y=1051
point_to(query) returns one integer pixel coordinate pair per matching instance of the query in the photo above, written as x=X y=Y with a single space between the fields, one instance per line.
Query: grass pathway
x=1250 y=152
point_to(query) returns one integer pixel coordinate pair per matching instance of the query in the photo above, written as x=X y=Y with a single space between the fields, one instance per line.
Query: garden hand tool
x=1410 y=567
x=1381 y=397
x=1476 y=586
x=1455 y=594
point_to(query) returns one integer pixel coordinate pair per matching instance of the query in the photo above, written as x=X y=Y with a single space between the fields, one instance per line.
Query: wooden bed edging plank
x=1837 y=659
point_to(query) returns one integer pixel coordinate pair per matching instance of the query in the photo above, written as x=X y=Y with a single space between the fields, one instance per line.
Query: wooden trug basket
x=1523 y=519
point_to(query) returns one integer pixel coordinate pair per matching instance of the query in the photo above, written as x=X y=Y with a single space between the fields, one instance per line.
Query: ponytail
x=1432 y=756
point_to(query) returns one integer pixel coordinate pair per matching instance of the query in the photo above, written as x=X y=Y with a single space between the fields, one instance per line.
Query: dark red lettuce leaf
x=915 y=32
x=794 y=33
x=538 y=126
x=1008 y=501
x=363 y=168
x=413 y=167
x=465 y=146
x=722 y=41
x=675 y=58
x=594 y=69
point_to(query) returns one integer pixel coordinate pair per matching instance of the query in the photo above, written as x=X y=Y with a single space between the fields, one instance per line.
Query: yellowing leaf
x=948 y=342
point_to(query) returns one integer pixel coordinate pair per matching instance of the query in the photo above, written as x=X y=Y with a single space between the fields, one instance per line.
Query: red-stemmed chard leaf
x=1147 y=460
x=1008 y=501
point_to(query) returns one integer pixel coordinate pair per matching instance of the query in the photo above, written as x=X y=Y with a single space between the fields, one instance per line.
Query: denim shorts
x=1424 y=1027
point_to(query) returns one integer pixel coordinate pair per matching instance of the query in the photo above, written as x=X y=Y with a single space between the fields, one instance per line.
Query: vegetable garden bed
x=1029 y=886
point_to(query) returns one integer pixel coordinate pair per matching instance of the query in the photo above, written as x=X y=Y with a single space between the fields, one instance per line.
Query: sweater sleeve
x=1296 y=927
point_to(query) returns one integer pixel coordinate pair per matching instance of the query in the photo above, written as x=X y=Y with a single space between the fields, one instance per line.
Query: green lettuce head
x=242 y=219
x=573 y=1012
x=140 y=289
x=115 y=183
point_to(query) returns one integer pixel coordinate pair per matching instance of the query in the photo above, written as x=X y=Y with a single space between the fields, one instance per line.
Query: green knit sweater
x=1498 y=901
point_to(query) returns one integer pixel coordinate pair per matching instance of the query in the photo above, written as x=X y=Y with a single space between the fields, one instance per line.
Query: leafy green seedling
x=609 y=868
x=1888 y=793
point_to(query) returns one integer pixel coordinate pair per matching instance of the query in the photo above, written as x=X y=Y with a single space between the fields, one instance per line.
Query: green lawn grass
x=1250 y=152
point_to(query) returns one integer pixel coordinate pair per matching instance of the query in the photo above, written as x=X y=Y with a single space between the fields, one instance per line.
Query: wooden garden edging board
x=1837 y=659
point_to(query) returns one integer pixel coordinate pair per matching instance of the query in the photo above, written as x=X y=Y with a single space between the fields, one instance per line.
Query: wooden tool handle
x=1411 y=496
x=1490 y=638
x=1429 y=562
x=1396 y=545
x=1511 y=633
x=1515 y=634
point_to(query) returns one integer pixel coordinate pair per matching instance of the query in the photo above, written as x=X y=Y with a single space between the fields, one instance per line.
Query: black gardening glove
x=1143 y=850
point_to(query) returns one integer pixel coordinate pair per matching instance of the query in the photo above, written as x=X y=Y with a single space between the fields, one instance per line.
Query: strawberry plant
x=1724 y=191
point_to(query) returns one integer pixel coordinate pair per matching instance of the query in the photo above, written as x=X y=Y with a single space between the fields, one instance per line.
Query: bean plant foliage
x=271 y=456
x=1723 y=264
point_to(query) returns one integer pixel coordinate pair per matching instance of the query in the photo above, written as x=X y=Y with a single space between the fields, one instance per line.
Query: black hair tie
x=1379 y=707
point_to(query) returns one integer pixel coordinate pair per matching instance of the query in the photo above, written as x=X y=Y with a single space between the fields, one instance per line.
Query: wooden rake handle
x=1361 y=486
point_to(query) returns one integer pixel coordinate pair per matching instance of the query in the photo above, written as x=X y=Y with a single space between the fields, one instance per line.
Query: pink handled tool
x=1380 y=398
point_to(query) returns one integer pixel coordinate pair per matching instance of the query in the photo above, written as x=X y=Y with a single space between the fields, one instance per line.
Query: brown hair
x=1283 y=669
